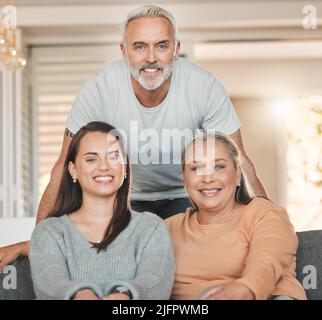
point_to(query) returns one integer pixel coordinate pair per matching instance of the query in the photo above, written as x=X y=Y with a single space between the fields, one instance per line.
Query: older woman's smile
x=210 y=192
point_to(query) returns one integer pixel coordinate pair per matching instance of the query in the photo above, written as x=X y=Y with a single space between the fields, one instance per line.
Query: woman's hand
x=117 y=296
x=85 y=294
x=229 y=291
x=10 y=253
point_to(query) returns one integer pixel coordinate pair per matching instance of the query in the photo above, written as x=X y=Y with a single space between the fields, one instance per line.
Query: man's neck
x=151 y=98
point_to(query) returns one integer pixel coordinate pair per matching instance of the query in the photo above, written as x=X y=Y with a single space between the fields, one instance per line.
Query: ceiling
x=95 y=2
x=141 y=2
x=97 y=21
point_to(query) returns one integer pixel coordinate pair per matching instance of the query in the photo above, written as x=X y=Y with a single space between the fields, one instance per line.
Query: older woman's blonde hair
x=242 y=194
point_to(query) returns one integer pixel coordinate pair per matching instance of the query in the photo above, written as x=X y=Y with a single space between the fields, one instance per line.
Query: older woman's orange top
x=256 y=247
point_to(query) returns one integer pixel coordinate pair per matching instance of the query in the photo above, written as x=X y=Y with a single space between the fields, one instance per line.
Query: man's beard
x=151 y=82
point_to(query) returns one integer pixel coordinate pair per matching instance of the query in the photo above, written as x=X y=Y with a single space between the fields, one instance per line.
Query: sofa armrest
x=16 y=282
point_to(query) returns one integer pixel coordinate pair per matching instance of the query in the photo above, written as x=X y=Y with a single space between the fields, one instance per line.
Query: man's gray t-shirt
x=155 y=136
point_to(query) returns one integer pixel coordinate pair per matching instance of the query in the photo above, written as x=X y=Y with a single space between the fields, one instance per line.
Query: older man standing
x=149 y=93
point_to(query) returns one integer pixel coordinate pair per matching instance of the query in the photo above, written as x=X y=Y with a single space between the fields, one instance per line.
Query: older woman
x=93 y=246
x=229 y=246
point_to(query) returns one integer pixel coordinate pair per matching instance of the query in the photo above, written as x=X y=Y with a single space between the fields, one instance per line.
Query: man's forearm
x=49 y=197
x=252 y=178
x=46 y=203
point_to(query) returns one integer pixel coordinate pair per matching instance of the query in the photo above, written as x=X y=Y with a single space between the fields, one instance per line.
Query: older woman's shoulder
x=260 y=207
x=263 y=203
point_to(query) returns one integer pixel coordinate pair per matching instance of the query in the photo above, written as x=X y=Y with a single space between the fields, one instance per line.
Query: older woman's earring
x=75 y=180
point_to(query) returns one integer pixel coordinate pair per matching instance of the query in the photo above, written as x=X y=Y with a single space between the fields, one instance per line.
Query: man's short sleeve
x=87 y=106
x=219 y=112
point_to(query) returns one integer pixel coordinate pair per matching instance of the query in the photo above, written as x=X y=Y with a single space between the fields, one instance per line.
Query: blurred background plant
x=304 y=160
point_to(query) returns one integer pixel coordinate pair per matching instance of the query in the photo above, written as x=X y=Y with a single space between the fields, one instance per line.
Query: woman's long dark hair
x=70 y=195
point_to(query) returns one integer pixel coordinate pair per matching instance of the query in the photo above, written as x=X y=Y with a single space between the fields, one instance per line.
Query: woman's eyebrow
x=221 y=159
x=215 y=160
x=91 y=153
x=113 y=151
x=95 y=153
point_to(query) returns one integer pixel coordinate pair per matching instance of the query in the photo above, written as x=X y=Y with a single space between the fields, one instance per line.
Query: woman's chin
x=206 y=205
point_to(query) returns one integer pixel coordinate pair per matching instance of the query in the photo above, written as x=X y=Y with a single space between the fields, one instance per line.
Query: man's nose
x=151 y=58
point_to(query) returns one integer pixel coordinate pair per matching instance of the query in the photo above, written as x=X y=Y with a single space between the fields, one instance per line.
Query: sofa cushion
x=308 y=270
x=24 y=287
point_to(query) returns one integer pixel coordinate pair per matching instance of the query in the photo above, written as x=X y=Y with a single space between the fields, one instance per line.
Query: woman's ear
x=125 y=173
x=72 y=170
x=238 y=176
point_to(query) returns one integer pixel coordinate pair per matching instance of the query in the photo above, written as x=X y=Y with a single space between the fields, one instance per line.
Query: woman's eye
x=113 y=156
x=219 y=167
x=90 y=159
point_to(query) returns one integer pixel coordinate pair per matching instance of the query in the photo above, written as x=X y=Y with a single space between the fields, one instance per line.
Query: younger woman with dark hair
x=93 y=246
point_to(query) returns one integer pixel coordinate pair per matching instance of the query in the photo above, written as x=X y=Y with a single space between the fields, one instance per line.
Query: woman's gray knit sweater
x=140 y=259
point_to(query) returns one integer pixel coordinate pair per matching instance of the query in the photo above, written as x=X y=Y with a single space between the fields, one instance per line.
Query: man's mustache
x=152 y=66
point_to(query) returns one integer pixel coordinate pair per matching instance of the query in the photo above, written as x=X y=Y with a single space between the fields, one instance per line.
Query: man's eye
x=90 y=159
x=140 y=47
x=162 y=46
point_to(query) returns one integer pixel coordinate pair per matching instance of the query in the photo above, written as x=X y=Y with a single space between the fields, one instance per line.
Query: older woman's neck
x=218 y=215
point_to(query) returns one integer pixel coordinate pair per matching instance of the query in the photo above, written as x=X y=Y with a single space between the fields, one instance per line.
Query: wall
x=258 y=130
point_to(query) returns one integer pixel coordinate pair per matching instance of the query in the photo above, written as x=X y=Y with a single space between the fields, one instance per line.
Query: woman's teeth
x=210 y=192
x=109 y=178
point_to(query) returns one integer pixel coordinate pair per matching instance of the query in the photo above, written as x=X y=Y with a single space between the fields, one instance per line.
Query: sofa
x=308 y=270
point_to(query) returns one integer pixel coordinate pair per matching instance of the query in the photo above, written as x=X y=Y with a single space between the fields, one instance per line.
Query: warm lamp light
x=9 y=53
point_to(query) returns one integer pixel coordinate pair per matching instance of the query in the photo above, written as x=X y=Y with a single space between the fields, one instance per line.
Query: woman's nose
x=208 y=178
x=103 y=164
x=207 y=175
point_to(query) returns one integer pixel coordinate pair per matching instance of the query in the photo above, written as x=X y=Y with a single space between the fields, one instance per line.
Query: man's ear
x=123 y=50
x=177 y=49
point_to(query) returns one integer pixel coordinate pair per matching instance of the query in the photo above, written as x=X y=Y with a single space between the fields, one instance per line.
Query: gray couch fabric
x=24 y=287
x=308 y=269
x=309 y=263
